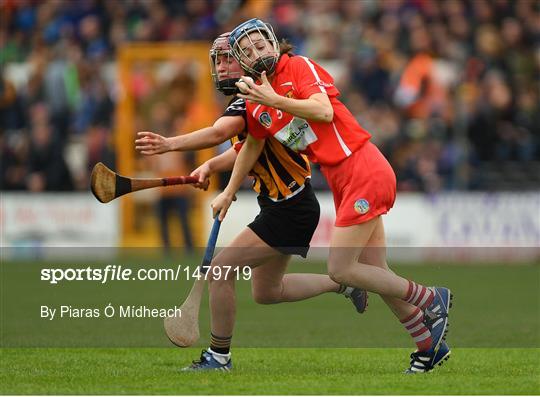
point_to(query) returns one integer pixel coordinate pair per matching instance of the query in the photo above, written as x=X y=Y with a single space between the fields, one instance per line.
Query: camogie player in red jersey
x=295 y=101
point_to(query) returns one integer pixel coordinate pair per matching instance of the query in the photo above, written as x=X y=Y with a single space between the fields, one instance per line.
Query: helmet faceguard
x=226 y=70
x=248 y=55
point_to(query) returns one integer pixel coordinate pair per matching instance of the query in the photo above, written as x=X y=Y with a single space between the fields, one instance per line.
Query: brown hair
x=285 y=47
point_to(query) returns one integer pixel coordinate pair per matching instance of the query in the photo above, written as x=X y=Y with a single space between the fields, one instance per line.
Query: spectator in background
x=13 y=161
x=11 y=112
x=47 y=169
x=61 y=89
x=455 y=76
x=173 y=199
x=92 y=41
x=423 y=88
x=13 y=143
x=527 y=120
x=98 y=141
x=497 y=131
x=95 y=105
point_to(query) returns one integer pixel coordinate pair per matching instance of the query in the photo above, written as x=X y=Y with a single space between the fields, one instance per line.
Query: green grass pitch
x=266 y=371
x=319 y=346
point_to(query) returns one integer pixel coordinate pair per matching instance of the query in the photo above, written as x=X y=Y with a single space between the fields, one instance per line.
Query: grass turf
x=265 y=371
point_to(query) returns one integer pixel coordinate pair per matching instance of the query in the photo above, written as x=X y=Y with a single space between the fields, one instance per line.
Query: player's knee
x=266 y=297
x=339 y=275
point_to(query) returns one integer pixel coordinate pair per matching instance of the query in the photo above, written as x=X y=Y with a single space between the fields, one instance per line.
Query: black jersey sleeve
x=236 y=107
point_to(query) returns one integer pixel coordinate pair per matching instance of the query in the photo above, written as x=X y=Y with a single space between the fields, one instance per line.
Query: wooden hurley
x=107 y=185
x=183 y=331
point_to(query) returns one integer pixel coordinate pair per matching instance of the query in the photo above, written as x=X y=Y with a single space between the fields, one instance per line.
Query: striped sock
x=414 y=324
x=418 y=295
x=220 y=344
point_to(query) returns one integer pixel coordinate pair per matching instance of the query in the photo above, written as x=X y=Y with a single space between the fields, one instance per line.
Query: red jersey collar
x=283 y=60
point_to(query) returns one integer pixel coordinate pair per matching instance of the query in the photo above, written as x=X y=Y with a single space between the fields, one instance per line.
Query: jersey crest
x=265 y=119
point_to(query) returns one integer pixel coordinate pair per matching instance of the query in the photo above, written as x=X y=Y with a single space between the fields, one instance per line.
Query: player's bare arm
x=150 y=143
x=245 y=161
x=221 y=163
x=316 y=108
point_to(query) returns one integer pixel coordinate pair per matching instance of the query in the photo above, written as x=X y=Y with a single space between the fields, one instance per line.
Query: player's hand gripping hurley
x=184 y=331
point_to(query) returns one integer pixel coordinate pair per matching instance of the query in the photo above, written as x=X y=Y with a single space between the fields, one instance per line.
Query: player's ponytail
x=285 y=47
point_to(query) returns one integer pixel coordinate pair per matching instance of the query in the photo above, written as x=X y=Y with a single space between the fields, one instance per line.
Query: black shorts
x=288 y=225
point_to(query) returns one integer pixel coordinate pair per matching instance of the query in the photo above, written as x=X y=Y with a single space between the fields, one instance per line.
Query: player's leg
x=374 y=254
x=343 y=265
x=358 y=208
x=433 y=317
x=269 y=282
x=346 y=245
x=271 y=285
x=247 y=249
x=409 y=315
x=372 y=257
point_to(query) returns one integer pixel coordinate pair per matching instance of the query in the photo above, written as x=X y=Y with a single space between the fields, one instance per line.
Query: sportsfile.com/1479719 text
x=123 y=273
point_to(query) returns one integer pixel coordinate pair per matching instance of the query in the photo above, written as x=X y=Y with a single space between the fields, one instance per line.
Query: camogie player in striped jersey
x=295 y=101
x=285 y=225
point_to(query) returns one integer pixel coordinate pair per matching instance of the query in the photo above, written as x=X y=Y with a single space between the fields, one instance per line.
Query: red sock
x=418 y=295
x=414 y=324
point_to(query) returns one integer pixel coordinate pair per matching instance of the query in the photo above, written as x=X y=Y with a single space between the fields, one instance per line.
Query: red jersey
x=325 y=143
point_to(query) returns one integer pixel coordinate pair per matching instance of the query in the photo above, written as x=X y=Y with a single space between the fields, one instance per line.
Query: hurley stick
x=183 y=331
x=108 y=185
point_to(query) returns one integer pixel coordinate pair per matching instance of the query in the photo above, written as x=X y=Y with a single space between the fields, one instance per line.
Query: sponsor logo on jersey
x=265 y=119
x=361 y=206
x=297 y=135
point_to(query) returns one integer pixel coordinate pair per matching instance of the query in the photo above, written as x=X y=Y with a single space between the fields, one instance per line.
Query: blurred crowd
x=449 y=89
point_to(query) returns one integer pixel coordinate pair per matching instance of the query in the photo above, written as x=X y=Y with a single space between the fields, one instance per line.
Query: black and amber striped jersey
x=279 y=172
